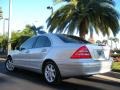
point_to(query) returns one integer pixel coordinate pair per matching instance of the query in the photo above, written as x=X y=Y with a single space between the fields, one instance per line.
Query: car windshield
x=72 y=39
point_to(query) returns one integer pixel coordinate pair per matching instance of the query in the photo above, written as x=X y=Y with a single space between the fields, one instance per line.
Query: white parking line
x=108 y=78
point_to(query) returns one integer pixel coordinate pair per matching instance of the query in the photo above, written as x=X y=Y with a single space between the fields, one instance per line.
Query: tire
x=51 y=73
x=9 y=65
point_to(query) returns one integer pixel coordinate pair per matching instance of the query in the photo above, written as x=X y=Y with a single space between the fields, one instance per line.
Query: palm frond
x=81 y=14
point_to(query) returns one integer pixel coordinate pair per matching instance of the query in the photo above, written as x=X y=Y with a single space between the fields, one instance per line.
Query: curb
x=2 y=59
x=112 y=74
x=115 y=72
x=108 y=78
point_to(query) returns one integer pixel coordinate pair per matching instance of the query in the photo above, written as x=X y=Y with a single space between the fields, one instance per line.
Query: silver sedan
x=57 y=56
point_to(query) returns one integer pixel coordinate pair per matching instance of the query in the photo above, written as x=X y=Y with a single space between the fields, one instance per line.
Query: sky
x=26 y=12
x=33 y=12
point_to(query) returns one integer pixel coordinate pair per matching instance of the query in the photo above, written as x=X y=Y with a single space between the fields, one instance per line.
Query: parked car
x=57 y=56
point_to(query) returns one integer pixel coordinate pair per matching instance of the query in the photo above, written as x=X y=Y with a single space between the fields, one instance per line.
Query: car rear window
x=72 y=39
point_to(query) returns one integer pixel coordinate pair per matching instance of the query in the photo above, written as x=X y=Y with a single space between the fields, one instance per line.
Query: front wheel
x=51 y=73
x=9 y=64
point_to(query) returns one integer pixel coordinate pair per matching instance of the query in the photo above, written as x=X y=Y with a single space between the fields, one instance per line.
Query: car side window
x=28 y=44
x=42 y=41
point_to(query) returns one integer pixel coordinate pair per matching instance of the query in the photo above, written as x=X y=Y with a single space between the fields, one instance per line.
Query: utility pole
x=9 y=27
x=4 y=19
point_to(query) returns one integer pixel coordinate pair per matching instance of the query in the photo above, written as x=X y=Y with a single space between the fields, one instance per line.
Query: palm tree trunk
x=91 y=35
x=116 y=45
x=111 y=44
x=82 y=35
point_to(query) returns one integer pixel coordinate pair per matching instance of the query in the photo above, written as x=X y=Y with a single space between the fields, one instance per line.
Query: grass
x=116 y=66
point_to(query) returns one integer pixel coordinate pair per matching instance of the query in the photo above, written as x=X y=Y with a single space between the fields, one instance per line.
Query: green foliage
x=1 y=16
x=81 y=14
x=18 y=37
x=27 y=31
x=36 y=29
x=116 y=66
x=3 y=43
x=115 y=55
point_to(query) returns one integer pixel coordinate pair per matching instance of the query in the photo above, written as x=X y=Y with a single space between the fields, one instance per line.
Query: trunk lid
x=99 y=52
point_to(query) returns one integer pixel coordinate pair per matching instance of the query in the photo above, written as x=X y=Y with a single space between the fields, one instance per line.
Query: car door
x=38 y=52
x=23 y=55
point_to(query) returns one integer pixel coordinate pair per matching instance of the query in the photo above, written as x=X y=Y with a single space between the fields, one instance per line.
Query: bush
x=115 y=55
x=116 y=66
x=19 y=41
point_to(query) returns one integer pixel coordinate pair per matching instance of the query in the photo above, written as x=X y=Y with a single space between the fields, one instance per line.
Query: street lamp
x=50 y=7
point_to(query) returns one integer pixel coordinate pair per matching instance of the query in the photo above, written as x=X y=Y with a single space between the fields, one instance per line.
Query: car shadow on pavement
x=2 y=79
x=38 y=79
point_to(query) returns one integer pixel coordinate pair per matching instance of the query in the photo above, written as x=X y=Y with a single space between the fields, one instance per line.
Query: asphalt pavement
x=27 y=80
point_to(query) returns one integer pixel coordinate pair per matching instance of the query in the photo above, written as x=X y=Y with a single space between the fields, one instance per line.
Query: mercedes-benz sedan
x=57 y=56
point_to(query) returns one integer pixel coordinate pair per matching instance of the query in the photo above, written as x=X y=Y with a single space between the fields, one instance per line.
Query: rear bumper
x=79 y=68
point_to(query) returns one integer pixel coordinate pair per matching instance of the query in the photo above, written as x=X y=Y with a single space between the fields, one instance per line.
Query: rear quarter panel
x=62 y=52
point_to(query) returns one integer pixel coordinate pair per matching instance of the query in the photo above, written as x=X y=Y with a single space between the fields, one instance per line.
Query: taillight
x=81 y=53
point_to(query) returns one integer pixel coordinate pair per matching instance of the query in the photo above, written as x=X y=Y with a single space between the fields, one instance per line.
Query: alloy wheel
x=50 y=73
x=9 y=65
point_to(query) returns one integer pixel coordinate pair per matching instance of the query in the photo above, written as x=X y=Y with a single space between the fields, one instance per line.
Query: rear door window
x=42 y=41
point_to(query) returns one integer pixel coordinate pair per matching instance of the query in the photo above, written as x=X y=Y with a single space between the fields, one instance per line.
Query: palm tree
x=111 y=40
x=105 y=42
x=36 y=30
x=80 y=15
x=1 y=13
x=91 y=39
x=98 y=42
x=116 y=40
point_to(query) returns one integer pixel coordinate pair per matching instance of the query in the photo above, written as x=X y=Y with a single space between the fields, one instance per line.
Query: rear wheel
x=9 y=64
x=51 y=73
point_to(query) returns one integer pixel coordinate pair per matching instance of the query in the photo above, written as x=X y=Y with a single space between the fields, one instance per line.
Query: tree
x=36 y=30
x=3 y=43
x=1 y=16
x=19 y=37
x=80 y=15
x=98 y=42
x=111 y=40
x=28 y=31
x=116 y=40
x=105 y=42
x=91 y=39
